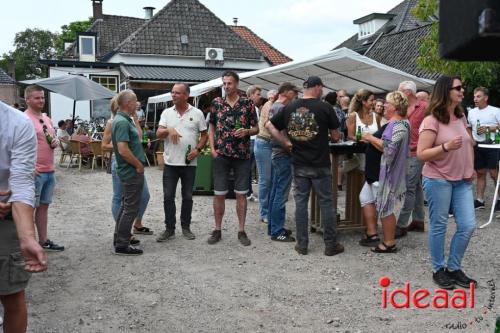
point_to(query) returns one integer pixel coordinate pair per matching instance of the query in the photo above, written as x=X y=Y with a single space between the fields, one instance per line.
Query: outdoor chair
x=97 y=151
x=75 y=149
x=64 y=153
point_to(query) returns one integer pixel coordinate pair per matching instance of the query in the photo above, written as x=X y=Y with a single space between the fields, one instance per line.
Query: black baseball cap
x=312 y=81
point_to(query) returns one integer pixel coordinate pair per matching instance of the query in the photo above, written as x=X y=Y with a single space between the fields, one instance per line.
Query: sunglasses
x=458 y=88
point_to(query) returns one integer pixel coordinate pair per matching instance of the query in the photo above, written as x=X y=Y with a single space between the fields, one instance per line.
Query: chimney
x=97 y=9
x=148 y=12
x=235 y=21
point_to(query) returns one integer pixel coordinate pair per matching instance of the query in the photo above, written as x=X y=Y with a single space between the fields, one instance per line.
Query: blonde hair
x=362 y=95
x=400 y=102
x=114 y=105
x=30 y=89
x=125 y=96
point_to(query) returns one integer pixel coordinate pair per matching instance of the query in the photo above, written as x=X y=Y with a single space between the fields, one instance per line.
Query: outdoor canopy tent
x=338 y=69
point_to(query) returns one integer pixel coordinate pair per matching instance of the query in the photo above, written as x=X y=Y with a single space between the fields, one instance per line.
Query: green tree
x=69 y=33
x=30 y=45
x=473 y=73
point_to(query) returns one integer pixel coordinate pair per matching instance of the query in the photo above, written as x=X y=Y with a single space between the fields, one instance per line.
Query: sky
x=299 y=28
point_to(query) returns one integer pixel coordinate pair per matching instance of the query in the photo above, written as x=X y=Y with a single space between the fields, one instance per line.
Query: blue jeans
x=45 y=182
x=442 y=194
x=281 y=172
x=117 y=194
x=252 y=167
x=263 y=158
x=321 y=180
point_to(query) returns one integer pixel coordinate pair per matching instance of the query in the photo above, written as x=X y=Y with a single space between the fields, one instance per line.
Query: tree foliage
x=30 y=45
x=473 y=73
x=69 y=33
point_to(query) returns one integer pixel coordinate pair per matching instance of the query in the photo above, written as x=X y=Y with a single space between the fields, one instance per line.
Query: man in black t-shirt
x=308 y=121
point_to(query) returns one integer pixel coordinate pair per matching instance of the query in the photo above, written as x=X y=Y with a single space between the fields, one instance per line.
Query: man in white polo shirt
x=184 y=130
x=485 y=159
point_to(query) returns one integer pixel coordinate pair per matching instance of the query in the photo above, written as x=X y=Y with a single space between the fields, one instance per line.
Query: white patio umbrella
x=76 y=87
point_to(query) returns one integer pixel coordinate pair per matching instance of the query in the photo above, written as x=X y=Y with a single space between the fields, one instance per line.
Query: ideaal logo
x=440 y=299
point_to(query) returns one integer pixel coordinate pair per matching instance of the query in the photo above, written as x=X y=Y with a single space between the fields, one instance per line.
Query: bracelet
x=444 y=149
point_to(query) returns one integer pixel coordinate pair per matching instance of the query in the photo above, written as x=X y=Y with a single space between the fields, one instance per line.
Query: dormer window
x=370 y=24
x=87 y=46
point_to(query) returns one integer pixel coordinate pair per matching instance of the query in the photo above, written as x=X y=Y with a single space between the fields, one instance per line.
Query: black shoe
x=400 y=232
x=287 y=232
x=51 y=246
x=186 y=232
x=459 y=278
x=283 y=237
x=333 y=250
x=370 y=241
x=243 y=238
x=301 y=250
x=127 y=251
x=214 y=237
x=497 y=206
x=442 y=279
x=166 y=235
x=478 y=204
x=134 y=241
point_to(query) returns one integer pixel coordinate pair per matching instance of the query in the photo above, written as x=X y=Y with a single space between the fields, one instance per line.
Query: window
x=101 y=107
x=86 y=47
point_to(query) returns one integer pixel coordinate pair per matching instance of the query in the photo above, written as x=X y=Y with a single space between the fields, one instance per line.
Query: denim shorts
x=45 y=182
x=222 y=168
x=13 y=277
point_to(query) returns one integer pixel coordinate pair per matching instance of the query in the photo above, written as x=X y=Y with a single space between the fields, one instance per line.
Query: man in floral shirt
x=233 y=121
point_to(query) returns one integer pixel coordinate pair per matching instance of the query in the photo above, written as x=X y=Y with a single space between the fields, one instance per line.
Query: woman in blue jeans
x=446 y=147
x=117 y=185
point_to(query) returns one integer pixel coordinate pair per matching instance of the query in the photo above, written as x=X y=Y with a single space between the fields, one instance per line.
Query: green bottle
x=48 y=137
x=187 y=153
x=478 y=125
x=144 y=135
x=488 y=135
x=358 y=134
x=497 y=325
x=237 y=124
x=497 y=136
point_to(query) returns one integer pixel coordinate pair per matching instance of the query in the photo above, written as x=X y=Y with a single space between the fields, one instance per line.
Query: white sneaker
x=251 y=197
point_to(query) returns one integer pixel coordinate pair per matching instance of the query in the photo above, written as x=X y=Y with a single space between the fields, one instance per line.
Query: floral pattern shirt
x=225 y=118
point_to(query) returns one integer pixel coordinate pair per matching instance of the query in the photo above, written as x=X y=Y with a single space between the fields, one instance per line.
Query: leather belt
x=264 y=138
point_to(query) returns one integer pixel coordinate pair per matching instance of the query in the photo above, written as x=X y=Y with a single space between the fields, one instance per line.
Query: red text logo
x=422 y=298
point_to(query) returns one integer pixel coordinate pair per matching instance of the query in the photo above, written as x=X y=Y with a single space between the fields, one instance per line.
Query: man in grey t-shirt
x=281 y=172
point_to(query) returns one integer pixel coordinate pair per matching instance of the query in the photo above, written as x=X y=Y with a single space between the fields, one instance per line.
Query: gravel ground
x=189 y=286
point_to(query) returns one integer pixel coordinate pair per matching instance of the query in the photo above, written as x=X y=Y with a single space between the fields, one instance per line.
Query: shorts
x=485 y=158
x=368 y=194
x=222 y=167
x=13 y=277
x=45 y=182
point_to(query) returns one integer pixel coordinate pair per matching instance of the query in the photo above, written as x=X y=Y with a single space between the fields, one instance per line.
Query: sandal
x=386 y=249
x=142 y=231
x=369 y=240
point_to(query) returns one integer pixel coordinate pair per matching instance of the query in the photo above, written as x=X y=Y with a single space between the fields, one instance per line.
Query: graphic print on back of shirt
x=302 y=125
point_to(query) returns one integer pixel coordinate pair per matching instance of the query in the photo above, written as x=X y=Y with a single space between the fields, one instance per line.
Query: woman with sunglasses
x=446 y=147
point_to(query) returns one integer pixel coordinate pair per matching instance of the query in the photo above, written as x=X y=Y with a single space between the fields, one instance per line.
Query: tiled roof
x=403 y=20
x=161 y=35
x=400 y=50
x=111 y=31
x=396 y=44
x=274 y=56
x=5 y=78
x=170 y=73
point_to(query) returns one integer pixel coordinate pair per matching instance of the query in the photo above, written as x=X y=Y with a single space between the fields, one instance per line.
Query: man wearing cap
x=281 y=171
x=18 y=147
x=308 y=121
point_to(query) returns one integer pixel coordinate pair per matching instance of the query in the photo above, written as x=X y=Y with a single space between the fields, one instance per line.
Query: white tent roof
x=338 y=69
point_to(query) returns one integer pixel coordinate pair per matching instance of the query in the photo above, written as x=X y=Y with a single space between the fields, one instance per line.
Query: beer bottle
x=358 y=134
x=48 y=137
x=237 y=124
x=144 y=135
x=497 y=325
x=497 y=136
x=488 y=135
x=478 y=125
x=187 y=153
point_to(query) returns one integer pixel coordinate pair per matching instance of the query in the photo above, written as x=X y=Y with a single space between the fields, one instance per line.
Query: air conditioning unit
x=214 y=54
